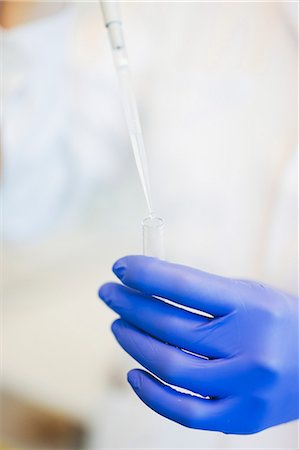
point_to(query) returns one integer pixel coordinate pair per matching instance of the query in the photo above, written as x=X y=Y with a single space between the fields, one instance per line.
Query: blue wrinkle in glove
x=240 y=362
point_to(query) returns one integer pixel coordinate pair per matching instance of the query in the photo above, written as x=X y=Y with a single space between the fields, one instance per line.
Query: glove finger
x=188 y=410
x=174 y=366
x=191 y=287
x=214 y=338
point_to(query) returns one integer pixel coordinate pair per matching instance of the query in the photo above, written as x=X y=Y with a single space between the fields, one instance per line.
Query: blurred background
x=216 y=84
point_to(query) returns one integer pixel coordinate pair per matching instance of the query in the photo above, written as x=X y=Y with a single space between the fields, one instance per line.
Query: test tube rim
x=153 y=222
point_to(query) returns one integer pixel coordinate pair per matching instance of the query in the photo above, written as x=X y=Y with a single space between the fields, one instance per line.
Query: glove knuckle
x=247 y=416
x=256 y=408
x=273 y=312
x=272 y=304
x=260 y=372
x=145 y=271
x=170 y=369
x=190 y=418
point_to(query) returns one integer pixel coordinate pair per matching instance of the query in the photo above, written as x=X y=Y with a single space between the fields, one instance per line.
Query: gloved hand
x=239 y=361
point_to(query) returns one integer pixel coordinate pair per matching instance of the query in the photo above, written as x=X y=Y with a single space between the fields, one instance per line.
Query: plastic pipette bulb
x=112 y=19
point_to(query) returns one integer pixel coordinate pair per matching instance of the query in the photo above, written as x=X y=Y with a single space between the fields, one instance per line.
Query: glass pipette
x=114 y=26
x=152 y=226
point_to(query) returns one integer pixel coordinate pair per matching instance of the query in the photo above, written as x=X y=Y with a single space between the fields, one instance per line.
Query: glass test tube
x=153 y=237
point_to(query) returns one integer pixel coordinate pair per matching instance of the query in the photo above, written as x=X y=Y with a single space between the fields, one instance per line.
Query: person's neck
x=14 y=13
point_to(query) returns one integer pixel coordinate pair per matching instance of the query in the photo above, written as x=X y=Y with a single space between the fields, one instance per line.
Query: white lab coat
x=216 y=84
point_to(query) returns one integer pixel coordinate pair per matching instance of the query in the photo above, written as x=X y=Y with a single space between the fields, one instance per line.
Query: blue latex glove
x=241 y=363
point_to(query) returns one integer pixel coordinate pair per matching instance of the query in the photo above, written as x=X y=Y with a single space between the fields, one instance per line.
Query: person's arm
x=35 y=116
x=239 y=359
x=15 y=13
